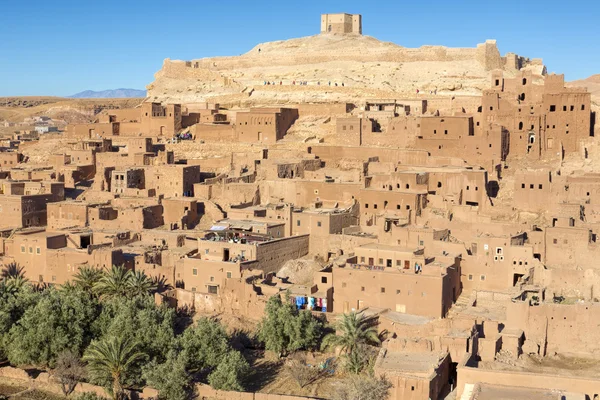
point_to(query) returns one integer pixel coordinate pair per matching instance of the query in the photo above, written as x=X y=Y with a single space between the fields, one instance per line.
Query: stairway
x=463 y=301
x=467 y=393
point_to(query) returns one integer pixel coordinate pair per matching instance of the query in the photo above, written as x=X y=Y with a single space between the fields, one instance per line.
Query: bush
x=230 y=373
x=89 y=396
x=360 y=387
x=170 y=379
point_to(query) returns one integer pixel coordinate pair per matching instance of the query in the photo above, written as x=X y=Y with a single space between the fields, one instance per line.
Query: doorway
x=85 y=241
x=517 y=278
x=225 y=254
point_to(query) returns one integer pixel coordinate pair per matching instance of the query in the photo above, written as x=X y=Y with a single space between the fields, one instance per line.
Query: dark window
x=323 y=279
x=382 y=290
x=552 y=108
x=540 y=186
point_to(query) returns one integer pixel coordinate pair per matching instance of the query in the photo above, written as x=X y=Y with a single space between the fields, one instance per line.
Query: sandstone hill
x=15 y=109
x=368 y=68
x=592 y=83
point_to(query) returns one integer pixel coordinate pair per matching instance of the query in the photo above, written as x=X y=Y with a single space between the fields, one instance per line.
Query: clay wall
x=325 y=109
x=567 y=120
x=569 y=248
x=158 y=120
x=575 y=384
x=66 y=215
x=91 y=131
x=172 y=180
x=446 y=127
x=273 y=254
x=180 y=213
x=9 y=159
x=24 y=211
x=409 y=293
x=402 y=156
x=341 y=23
x=264 y=125
x=214 y=132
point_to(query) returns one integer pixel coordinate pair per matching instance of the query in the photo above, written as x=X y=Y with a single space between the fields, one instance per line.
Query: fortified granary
x=464 y=225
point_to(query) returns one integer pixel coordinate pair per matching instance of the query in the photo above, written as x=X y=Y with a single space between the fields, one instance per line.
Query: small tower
x=341 y=23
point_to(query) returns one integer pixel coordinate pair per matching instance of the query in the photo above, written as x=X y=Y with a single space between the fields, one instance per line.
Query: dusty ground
x=20 y=392
x=272 y=376
x=15 y=109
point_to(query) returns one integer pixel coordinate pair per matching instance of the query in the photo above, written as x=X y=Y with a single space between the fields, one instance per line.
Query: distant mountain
x=109 y=94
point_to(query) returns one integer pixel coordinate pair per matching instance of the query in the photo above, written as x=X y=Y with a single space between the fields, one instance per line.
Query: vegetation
x=284 y=329
x=361 y=387
x=69 y=371
x=105 y=328
x=170 y=378
x=302 y=373
x=110 y=360
x=356 y=333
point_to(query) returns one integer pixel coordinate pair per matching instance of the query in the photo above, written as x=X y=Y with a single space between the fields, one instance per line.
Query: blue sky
x=61 y=47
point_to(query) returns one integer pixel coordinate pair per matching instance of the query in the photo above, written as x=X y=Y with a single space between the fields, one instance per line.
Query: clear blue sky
x=60 y=47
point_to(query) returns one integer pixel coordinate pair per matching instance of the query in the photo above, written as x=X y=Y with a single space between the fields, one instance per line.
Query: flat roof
x=381 y=246
x=494 y=392
x=410 y=362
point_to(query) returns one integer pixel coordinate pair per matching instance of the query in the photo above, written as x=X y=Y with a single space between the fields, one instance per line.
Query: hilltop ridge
x=365 y=65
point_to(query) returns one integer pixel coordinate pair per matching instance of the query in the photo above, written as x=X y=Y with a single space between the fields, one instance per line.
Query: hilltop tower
x=341 y=23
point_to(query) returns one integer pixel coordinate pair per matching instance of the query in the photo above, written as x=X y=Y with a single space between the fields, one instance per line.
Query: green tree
x=110 y=360
x=354 y=329
x=13 y=304
x=59 y=321
x=203 y=345
x=230 y=373
x=113 y=282
x=87 y=277
x=283 y=329
x=140 y=284
x=170 y=378
x=140 y=320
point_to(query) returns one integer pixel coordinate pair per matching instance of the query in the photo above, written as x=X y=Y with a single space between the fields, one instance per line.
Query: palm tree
x=161 y=283
x=12 y=271
x=15 y=284
x=112 y=358
x=86 y=277
x=355 y=329
x=113 y=282
x=139 y=284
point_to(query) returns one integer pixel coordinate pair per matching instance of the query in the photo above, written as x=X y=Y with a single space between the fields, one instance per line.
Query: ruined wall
x=273 y=254
x=564 y=329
